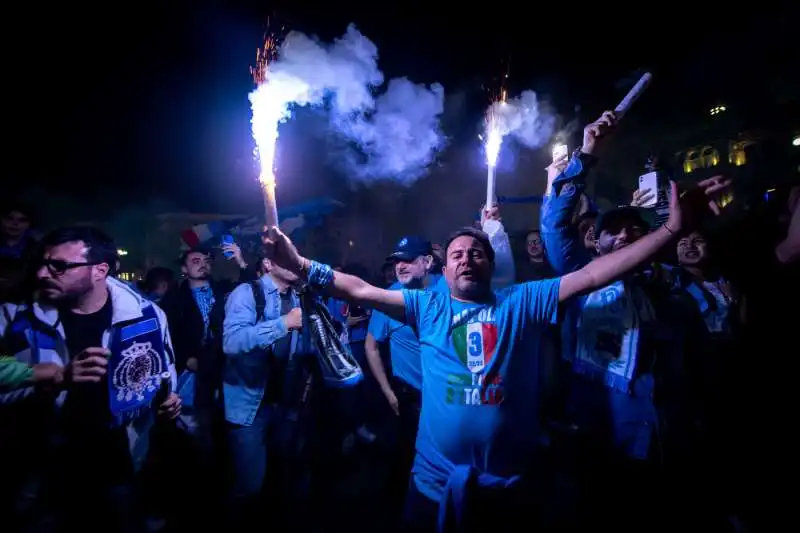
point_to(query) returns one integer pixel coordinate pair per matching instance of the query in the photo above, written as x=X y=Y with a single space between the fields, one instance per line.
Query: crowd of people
x=613 y=374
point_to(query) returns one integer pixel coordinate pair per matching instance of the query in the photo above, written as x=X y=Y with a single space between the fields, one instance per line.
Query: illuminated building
x=755 y=146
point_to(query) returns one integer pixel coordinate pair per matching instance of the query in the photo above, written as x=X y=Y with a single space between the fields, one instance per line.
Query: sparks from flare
x=492 y=140
x=269 y=103
x=264 y=121
x=492 y=137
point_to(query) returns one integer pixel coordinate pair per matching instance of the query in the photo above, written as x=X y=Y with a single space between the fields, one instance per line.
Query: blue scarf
x=138 y=360
x=609 y=327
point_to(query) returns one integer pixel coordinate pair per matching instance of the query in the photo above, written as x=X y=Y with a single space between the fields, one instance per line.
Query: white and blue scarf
x=608 y=335
x=136 y=365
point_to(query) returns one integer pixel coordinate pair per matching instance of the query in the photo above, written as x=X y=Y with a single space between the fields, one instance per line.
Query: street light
x=796 y=140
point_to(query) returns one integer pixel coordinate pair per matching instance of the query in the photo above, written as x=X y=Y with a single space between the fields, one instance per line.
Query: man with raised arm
x=479 y=349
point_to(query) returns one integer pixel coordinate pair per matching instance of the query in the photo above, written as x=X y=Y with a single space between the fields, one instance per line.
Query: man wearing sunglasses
x=90 y=427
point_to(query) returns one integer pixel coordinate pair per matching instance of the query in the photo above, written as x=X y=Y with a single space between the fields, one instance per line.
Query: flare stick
x=491 y=199
x=270 y=206
x=633 y=95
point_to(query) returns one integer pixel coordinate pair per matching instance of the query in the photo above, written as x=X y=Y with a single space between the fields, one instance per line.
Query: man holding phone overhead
x=196 y=310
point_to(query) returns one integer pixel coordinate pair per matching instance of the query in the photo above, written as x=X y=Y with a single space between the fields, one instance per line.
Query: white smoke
x=524 y=118
x=400 y=138
x=347 y=69
x=396 y=133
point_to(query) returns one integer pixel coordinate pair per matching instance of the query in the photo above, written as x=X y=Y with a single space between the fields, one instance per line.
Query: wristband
x=319 y=274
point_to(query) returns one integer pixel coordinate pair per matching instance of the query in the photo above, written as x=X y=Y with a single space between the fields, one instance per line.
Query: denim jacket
x=248 y=342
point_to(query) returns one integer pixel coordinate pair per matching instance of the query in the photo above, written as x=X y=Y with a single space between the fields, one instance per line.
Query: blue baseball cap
x=409 y=248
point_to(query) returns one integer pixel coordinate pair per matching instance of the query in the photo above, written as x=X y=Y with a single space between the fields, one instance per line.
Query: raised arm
x=564 y=246
x=337 y=284
x=504 y=274
x=565 y=250
x=375 y=362
x=607 y=268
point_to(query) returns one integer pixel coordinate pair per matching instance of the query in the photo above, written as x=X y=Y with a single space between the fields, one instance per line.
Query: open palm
x=279 y=249
x=688 y=206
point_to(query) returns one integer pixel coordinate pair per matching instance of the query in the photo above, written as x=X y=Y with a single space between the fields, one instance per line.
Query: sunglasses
x=58 y=267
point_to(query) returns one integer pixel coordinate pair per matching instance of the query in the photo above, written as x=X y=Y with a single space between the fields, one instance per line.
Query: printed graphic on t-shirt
x=474 y=336
x=475 y=344
x=474 y=389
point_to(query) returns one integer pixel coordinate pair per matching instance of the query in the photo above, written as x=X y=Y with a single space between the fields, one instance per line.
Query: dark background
x=151 y=98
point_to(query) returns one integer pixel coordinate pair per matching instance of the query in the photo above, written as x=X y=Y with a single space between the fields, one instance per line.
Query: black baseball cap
x=409 y=248
x=624 y=213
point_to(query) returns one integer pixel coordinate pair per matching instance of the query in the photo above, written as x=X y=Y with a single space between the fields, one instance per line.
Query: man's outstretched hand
x=690 y=206
x=492 y=213
x=279 y=249
x=598 y=130
x=703 y=197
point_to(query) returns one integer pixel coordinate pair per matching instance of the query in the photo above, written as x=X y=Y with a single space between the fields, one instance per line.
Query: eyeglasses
x=58 y=267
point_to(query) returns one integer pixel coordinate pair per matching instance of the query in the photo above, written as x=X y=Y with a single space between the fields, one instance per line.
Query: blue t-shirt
x=403 y=342
x=480 y=376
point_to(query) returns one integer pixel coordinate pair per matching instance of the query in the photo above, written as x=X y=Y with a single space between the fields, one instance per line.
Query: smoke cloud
x=400 y=137
x=393 y=134
x=524 y=118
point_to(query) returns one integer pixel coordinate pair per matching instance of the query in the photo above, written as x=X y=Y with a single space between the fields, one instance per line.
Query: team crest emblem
x=138 y=374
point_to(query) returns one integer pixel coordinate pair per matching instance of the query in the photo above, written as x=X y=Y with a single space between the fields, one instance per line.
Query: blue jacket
x=247 y=341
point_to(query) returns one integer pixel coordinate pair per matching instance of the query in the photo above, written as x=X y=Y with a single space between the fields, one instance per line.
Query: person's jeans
x=247 y=448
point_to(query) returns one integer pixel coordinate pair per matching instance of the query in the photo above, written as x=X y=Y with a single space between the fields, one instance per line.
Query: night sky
x=153 y=100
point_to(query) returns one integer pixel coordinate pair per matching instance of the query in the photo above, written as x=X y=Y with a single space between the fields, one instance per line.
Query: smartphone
x=649 y=181
x=227 y=239
x=559 y=151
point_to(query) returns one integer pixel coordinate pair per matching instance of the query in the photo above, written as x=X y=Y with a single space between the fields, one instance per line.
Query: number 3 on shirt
x=475 y=355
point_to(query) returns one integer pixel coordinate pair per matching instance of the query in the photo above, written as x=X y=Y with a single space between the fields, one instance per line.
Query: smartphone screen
x=559 y=151
x=649 y=181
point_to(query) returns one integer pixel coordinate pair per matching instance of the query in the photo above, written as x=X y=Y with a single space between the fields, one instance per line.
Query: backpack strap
x=260 y=299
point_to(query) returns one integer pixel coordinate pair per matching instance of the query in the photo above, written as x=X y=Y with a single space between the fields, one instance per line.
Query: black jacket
x=187 y=331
